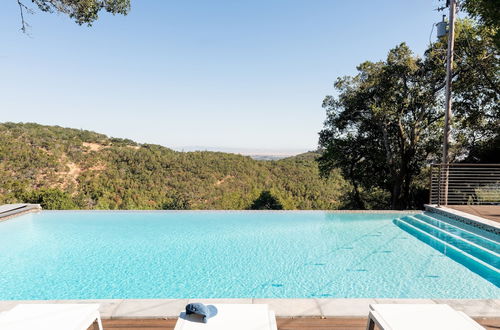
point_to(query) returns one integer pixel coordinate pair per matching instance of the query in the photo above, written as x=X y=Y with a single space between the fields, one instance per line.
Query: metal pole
x=449 y=77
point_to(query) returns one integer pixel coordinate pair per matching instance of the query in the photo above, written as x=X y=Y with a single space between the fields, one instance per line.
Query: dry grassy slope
x=101 y=172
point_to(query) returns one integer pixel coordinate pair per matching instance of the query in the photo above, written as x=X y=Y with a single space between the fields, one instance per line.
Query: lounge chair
x=230 y=317
x=51 y=317
x=419 y=316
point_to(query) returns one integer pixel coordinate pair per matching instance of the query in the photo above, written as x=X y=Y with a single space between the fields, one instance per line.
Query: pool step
x=476 y=265
x=464 y=233
x=460 y=242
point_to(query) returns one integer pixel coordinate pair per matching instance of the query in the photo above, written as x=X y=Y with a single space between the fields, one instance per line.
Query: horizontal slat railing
x=462 y=184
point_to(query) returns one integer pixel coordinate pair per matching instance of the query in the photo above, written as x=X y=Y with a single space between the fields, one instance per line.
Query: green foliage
x=476 y=91
x=487 y=12
x=98 y=172
x=176 y=203
x=50 y=199
x=485 y=151
x=385 y=124
x=266 y=201
x=84 y=11
x=485 y=194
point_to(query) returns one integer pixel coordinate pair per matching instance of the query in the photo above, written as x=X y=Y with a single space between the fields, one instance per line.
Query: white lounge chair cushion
x=421 y=316
x=232 y=316
x=49 y=317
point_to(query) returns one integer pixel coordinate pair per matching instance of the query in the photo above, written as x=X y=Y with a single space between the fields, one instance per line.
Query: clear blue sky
x=237 y=74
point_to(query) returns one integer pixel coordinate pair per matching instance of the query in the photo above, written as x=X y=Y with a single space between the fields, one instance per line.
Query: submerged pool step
x=461 y=232
x=462 y=243
x=476 y=265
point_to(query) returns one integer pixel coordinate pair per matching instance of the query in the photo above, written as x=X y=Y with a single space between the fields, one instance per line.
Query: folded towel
x=207 y=311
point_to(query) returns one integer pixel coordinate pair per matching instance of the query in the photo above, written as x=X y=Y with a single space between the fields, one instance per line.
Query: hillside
x=65 y=168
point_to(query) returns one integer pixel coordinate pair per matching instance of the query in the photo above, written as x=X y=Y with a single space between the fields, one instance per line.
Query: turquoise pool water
x=94 y=255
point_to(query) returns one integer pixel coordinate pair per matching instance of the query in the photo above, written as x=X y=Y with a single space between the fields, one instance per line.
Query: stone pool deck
x=490 y=212
x=465 y=215
x=284 y=308
x=8 y=211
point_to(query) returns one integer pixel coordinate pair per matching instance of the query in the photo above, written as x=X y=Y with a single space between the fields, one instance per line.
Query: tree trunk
x=357 y=197
x=406 y=190
x=400 y=196
x=396 y=193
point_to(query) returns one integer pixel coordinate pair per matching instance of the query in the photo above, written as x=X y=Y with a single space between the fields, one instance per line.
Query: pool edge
x=469 y=219
x=18 y=210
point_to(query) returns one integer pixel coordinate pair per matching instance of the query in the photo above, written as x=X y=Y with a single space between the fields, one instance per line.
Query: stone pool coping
x=8 y=211
x=242 y=211
x=284 y=308
x=20 y=209
x=470 y=219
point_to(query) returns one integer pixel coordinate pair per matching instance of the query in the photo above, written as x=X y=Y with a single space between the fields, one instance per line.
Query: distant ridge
x=267 y=157
x=256 y=153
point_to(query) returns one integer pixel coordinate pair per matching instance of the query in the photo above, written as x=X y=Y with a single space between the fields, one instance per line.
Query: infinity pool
x=197 y=254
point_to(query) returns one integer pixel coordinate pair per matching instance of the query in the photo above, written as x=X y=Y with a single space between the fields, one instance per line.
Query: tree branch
x=22 y=8
x=23 y=23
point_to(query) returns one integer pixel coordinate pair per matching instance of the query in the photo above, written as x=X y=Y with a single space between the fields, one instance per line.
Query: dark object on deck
x=207 y=311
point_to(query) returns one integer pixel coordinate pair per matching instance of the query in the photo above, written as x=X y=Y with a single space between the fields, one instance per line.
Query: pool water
x=230 y=254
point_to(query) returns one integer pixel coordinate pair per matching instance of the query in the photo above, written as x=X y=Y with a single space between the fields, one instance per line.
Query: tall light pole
x=452 y=5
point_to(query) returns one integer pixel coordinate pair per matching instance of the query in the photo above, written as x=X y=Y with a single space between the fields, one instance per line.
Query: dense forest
x=64 y=168
x=384 y=125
